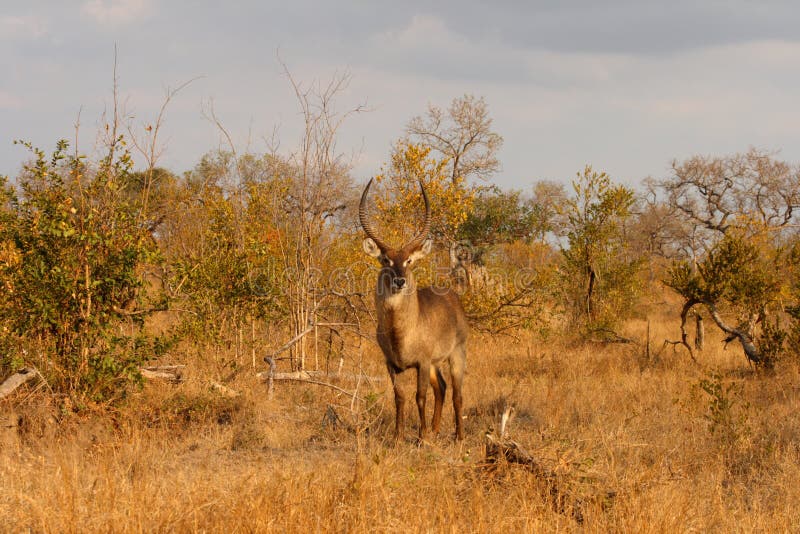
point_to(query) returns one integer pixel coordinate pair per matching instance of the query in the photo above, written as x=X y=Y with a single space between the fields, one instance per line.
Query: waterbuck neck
x=397 y=312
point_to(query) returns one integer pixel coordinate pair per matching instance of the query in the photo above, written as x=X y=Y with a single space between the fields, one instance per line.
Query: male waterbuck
x=422 y=328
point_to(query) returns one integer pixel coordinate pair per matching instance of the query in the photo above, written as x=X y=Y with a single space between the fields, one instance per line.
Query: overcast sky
x=623 y=85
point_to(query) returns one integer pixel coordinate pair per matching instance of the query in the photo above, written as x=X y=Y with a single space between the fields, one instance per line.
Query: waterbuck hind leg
x=458 y=364
x=423 y=376
x=439 y=390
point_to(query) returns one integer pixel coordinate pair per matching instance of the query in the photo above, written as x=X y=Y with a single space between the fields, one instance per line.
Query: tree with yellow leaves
x=397 y=197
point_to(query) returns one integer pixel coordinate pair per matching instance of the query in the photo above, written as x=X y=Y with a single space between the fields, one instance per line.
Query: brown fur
x=417 y=328
x=422 y=329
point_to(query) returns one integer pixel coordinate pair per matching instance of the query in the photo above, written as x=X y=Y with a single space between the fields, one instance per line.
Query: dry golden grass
x=602 y=417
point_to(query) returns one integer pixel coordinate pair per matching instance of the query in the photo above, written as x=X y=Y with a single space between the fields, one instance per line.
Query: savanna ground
x=636 y=444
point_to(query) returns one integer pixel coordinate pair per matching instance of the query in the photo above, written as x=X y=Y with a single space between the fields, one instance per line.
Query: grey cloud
x=626 y=27
x=626 y=85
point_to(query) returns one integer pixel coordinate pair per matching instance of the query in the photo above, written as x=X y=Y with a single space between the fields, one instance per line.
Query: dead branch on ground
x=560 y=488
x=300 y=376
x=171 y=373
x=19 y=378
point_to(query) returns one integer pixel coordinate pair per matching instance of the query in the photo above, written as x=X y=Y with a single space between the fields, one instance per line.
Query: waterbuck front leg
x=399 y=404
x=423 y=376
x=457 y=409
x=439 y=390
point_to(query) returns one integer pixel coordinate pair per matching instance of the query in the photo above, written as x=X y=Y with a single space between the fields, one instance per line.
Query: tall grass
x=604 y=418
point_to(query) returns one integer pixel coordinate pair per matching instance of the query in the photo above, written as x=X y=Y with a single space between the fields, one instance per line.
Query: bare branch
x=465 y=138
x=750 y=349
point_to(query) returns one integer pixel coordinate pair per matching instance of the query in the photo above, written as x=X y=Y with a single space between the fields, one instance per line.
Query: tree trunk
x=589 y=291
x=699 y=332
x=750 y=349
x=687 y=307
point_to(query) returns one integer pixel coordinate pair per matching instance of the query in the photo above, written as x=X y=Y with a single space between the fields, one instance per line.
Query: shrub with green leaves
x=73 y=246
x=738 y=278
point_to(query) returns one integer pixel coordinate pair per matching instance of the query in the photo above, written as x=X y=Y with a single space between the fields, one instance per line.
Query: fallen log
x=513 y=452
x=14 y=381
x=293 y=375
x=172 y=373
x=499 y=446
x=315 y=375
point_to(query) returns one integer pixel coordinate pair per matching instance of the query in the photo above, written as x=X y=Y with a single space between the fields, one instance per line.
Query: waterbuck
x=422 y=328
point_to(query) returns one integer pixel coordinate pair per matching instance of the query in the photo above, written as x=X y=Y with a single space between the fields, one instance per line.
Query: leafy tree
x=498 y=217
x=599 y=270
x=154 y=190
x=9 y=261
x=500 y=261
x=505 y=216
x=510 y=288
x=740 y=211
x=221 y=240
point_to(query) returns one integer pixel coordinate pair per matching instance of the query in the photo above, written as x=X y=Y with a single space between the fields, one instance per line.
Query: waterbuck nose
x=399 y=282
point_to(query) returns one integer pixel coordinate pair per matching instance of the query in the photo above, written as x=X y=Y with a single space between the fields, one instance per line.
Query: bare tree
x=738 y=210
x=720 y=192
x=315 y=197
x=661 y=231
x=463 y=134
x=547 y=199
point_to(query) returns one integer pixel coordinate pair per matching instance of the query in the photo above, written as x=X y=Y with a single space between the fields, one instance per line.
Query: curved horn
x=365 y=224
x=426 y=226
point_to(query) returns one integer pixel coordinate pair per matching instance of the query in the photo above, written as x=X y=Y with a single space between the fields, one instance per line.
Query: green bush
x=74 y=245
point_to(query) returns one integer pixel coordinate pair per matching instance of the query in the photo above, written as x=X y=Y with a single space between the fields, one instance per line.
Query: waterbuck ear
x=427 y=246
x=371 y=248
x=422 y=251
